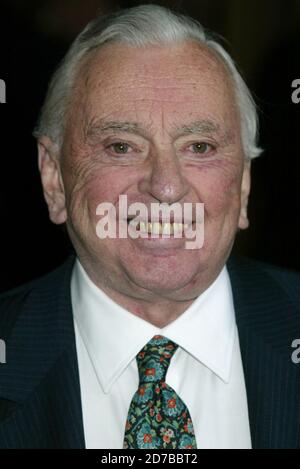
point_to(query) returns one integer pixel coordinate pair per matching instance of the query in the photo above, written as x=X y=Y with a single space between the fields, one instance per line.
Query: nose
x=165 y=181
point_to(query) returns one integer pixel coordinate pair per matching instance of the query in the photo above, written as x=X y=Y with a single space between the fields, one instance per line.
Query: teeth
x=155 y=228
x=166 y=228
x=143 y=227
x=158 y=228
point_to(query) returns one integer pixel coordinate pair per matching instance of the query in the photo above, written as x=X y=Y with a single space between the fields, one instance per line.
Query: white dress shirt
x=206 y=370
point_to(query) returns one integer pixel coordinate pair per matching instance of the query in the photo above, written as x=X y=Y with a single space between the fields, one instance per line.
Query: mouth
x=162 y=238
x=161 y=228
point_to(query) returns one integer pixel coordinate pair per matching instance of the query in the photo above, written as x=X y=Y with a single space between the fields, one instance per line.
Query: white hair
x=139 y=26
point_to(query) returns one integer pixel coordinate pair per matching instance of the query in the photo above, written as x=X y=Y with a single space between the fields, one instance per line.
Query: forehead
x=174 y=83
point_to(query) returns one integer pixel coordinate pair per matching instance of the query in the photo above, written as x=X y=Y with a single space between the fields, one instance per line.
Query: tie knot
x=154 y=359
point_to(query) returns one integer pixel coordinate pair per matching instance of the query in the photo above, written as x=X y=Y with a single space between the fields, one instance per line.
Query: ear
x=51 y=180
x=245 y=190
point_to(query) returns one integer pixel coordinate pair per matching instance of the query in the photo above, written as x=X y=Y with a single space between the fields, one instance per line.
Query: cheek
x=101 y=187
x=218 y=187
x=92 y=185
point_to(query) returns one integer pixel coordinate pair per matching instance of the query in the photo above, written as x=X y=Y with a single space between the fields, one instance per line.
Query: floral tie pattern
x=157 y=417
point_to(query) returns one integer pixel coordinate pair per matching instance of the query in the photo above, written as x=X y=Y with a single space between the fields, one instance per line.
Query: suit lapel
x=40 y=405
x=268 y=321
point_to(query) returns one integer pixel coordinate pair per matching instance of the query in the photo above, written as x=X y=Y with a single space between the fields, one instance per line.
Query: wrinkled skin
x=164 y=90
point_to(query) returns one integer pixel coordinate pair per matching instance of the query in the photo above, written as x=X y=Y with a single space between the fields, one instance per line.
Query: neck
x=159 y=312
x=157 y=308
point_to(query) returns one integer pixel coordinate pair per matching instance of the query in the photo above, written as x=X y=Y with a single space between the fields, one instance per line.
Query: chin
x=161 y=280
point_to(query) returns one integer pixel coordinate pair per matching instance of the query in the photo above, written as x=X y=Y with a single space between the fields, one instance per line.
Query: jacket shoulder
x=287 y=279
x=15 y=301
x=251 y=269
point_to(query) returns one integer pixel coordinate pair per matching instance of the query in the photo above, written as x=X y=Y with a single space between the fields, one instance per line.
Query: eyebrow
x=202 y=126
x=198 y=127
x=94 y=129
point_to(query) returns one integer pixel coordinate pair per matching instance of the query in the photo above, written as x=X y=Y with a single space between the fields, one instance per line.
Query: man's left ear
x=52 y=182
x=245 y=190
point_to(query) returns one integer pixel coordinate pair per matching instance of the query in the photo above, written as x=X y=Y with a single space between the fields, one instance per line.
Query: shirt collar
x=113 y=336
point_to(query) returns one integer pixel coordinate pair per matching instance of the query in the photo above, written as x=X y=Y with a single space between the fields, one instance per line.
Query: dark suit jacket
x=40 y=404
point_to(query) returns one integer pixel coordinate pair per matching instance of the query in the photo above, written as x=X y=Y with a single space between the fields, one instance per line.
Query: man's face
x=157 y=124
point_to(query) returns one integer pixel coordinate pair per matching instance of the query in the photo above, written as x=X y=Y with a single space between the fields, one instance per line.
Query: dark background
x=263 y=36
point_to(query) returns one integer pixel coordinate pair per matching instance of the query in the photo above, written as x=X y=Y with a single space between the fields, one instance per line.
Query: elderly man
x=144 y=341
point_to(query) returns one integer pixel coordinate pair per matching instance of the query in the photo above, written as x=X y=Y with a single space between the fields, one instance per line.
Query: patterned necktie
x=157 y=417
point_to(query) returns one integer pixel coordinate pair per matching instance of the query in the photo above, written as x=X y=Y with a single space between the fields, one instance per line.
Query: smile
x=158 y=228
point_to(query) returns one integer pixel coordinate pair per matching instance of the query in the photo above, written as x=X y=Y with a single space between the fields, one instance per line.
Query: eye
x=201 y=147
x=121 y=148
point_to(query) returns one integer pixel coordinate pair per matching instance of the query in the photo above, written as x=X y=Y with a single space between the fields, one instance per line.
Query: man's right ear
x=53 y=188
